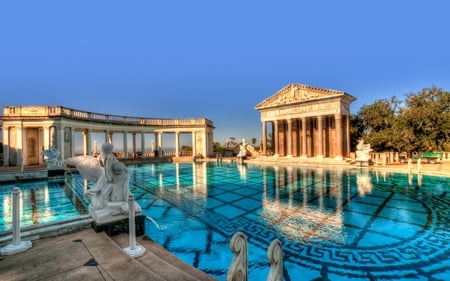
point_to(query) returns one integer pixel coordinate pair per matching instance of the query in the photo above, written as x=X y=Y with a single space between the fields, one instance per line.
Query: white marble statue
x=109 y=195
x=243 y=150
x=363 y=151
x=52 y=158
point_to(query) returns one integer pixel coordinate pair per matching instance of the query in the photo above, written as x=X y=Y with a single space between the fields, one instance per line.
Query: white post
x=17 y=246
x=133 y=250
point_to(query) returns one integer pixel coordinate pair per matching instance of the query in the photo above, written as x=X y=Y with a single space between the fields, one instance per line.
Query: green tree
x=376 y=123
x=230 y=142
x=427 y=115
x=218 y=148
x=356 y=130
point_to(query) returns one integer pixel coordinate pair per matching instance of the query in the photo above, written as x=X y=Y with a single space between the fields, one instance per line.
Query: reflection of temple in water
x=306 y=204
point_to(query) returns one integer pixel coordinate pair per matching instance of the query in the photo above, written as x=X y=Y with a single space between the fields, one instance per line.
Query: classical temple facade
x=29 y=130
x=306 y=122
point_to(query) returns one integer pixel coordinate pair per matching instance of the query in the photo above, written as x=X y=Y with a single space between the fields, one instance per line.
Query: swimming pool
x=334 y=223
x=41 y=202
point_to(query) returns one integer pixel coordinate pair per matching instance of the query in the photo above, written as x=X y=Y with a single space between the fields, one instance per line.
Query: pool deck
x=87 y=255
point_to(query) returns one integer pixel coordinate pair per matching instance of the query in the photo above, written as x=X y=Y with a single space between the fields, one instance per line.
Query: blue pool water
x=41 y=202
x=334 y=223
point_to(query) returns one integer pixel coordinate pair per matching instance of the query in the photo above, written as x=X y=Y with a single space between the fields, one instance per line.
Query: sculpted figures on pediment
x=295 y=95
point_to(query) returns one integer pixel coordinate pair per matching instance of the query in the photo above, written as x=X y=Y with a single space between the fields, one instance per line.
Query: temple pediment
x=298 y=93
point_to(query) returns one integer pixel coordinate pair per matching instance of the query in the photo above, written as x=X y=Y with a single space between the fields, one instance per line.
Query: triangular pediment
x=298 y=93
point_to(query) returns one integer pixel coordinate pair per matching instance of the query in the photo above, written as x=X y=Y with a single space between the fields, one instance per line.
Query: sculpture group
x=109 y=195
x=363 y=153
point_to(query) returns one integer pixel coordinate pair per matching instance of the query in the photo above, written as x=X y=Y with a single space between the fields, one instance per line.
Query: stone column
x=275 y=138
x=160 y=144
x=347 y=134
x=156 y=144
x=46 y=137
x=194 y=147
x=289 y=138
x=72 y=141
x=86 y=142
x=205 y=144
x=60 y=141
x=125 y=144
x=304 y=147
x=338 y=121
x=177 y=144
x=5 y=141
x=143 y=144
x=21 y=155
x=106 y=136
x=264 y=138
x=53 y=138
x=134 y=144
x=210 y=142
x=320 y=134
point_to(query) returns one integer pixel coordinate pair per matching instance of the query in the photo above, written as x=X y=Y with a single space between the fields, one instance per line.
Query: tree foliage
x=427 y=114
x=377 y=123
x=422 y=124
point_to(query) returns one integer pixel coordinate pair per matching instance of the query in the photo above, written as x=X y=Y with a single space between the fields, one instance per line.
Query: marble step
x=163 y=263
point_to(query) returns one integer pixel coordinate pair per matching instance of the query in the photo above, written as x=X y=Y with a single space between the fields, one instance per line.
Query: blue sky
x=216 y=59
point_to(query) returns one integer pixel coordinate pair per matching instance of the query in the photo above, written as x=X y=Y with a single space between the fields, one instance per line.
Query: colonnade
x=305 y=121
x=28 y=130
x=317 y=136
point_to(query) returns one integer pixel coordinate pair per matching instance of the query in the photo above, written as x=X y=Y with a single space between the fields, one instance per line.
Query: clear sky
x=216 y=59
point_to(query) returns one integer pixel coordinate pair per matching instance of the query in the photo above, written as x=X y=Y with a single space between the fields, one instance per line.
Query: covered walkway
x=28 y=130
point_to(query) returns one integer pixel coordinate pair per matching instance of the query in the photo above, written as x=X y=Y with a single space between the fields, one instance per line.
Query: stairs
x=162 y=264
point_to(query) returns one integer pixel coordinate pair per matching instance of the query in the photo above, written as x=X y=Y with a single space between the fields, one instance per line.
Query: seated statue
x=110 y=198
x=109 y=195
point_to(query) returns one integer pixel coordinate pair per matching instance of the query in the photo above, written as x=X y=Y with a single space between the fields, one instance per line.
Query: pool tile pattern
x=331 y=226
x=334 y=224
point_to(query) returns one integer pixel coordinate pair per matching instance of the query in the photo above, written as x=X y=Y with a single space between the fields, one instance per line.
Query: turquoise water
x=334 y=223
x=41 y=202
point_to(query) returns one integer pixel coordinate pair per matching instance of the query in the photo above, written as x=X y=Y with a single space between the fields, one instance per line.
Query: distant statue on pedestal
x=243 y=151
x=363 y=153
x=109 y=195
x=52 y=160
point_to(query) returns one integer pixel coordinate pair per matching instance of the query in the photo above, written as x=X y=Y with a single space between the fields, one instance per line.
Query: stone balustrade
x=238 y=270
x=98 y=117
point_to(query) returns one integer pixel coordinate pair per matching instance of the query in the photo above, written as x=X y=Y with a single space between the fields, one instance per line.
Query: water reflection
x=200 y=179
x=304 y=205
x=364 y=183
x=242 y=168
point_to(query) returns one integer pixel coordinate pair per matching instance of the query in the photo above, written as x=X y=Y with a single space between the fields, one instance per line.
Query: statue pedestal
x=55 y=173
x=362 y=163
x=120 y=225
x=240 y=159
